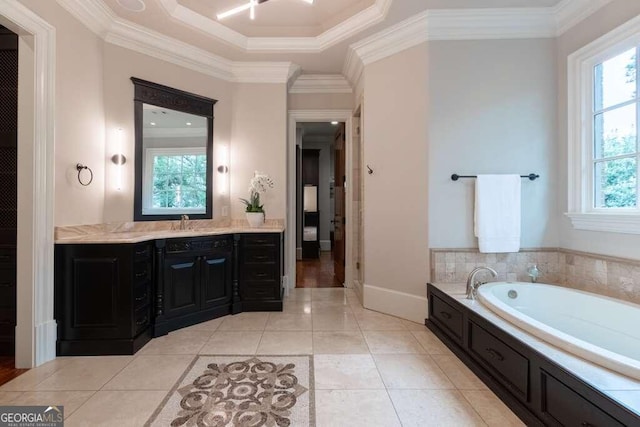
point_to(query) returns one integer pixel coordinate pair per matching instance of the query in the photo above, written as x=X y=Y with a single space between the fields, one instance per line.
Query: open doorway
x=320 y=204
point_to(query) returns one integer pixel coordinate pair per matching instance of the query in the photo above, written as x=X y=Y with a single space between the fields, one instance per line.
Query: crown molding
x=569 y=13
x=484 y=24
x=466 y=24
x=114 y=30
x=321 y=83
x=372 y=15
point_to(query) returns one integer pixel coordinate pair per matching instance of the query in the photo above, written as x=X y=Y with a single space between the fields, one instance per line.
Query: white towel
x=497 y=213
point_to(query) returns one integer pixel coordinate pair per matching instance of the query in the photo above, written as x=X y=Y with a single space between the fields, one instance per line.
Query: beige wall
x=492 y=110
x=320 y=101
x=616 y=244
x=79 y=116
x=119 y=66
x=259 y=129
x=395 y=195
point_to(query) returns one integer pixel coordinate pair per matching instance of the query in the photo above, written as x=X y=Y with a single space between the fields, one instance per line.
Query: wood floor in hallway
x=316 y=273
x=8 y=370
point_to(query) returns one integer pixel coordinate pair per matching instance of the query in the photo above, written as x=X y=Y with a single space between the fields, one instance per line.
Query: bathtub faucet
x=473 y=284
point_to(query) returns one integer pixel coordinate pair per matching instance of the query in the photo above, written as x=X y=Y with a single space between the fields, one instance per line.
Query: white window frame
x=580 y=81
x=147 y=188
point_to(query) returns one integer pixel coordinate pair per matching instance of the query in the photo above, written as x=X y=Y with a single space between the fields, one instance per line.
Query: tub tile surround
x=140 y=231
x=618 y=387
x=613 y=277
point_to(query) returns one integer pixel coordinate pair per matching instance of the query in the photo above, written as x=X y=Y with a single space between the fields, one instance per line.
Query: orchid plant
x=258 y=185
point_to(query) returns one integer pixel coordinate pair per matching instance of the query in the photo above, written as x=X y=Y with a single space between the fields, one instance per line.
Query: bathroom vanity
x=539 y=382
x=115 y=291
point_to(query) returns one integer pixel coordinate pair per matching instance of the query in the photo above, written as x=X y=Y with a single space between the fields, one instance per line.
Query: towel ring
x=80 y=167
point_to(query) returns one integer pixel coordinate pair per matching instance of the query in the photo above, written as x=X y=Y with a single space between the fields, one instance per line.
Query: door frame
x=36 y=330
x=299 y=116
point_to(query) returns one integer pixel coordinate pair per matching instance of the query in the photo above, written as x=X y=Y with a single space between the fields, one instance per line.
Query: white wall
x=259 y=129
x=325 y=172
x=395 y=195
x=79 y=116
x=492 y=110
x=606 y=19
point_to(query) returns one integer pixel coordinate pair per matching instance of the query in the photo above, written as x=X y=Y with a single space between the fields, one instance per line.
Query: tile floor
x=370 y=369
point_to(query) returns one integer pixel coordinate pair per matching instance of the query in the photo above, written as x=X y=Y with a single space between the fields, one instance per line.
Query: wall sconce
x=223 y=168
x=119 y=159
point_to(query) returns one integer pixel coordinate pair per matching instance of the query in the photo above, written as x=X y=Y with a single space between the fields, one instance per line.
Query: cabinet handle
x=142 y=252
x=445 y=315
x=4 y=257
x=142 y=322
x=142 y=298
x=495 y=354
x=261 y=274
x=261 y=257
x=5 y=322
x=6 y=285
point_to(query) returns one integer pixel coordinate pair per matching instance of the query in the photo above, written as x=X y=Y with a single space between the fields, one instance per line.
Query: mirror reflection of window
x=174 y=162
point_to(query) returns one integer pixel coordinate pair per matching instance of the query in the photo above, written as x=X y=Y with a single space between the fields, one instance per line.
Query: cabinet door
x=93 y=299
x=182 y=285
x=216 y=279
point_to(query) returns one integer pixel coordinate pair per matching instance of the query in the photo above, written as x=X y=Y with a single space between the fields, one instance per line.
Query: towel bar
x=531 y=176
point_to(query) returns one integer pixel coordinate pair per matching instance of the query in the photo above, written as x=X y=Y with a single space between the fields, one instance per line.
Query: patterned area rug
x=247 y=391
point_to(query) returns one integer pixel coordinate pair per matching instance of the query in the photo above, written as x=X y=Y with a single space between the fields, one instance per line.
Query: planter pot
x=256 y=219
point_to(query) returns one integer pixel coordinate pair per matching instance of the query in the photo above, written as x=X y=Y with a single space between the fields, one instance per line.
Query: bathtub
x=599 y=329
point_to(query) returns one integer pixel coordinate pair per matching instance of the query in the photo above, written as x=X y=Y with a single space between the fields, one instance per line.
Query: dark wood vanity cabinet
x=112 y=298
x=103 y=298
x=537 y=389
x=194 y=281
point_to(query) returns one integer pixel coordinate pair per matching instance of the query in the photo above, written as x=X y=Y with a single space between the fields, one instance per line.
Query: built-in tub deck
x=623 y=390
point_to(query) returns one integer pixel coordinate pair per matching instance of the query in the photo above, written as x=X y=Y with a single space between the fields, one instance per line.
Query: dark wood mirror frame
x=163 y=96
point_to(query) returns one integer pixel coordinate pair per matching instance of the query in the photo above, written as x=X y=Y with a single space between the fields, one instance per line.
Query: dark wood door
x=8 y=187
x=339 y=203
x=216 y=279
x=182 y=285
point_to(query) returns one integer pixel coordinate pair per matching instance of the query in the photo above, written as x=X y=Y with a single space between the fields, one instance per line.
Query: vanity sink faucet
x=473 y=284
x=183 y=222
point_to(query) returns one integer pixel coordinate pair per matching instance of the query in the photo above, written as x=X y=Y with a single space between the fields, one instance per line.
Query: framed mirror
x=173 y=153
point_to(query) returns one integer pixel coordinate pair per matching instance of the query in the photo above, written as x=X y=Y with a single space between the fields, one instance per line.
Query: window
x=176 y=179
x=604 y=145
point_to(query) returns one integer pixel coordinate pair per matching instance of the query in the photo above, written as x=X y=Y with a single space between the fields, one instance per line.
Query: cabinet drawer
x=141 y=272
x=260 y=272
x=506 y=364
x=260 y=239
x=448 y=317
x=141 y=296
x=563 y=406
x=260 y=291
x=259 y=255
x=142 y=252
x=141 y=320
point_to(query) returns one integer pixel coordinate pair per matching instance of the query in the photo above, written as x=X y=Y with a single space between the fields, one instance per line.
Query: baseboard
x=46 y=336
x=325 y=245
x=357 y=287
x=395 y=303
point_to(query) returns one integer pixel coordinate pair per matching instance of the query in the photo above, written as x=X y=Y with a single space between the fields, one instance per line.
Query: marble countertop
x=141 y=232
x=623 y=389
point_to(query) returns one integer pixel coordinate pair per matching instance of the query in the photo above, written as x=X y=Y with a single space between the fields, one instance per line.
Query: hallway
x=317 y=273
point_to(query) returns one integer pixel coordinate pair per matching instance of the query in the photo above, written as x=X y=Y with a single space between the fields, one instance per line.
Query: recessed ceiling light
x=132 y=5
x=334 y=123
x=251 y=5
x=188 y=123
x=152 y=123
